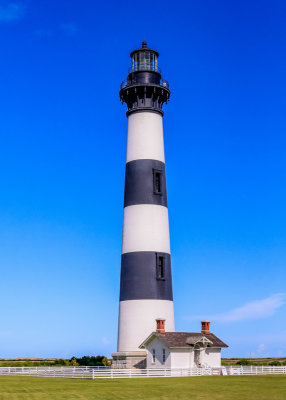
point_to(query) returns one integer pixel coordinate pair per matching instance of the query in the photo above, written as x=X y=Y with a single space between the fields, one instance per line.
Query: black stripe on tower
x=145 y=183
x=146 y=275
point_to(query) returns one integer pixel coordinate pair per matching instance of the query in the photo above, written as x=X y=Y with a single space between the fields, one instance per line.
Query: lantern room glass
x=144 y=61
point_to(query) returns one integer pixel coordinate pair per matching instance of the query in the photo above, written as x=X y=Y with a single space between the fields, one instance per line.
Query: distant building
x=183 y=349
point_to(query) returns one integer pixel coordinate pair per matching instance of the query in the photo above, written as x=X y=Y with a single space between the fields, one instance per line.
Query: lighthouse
x=146 y=281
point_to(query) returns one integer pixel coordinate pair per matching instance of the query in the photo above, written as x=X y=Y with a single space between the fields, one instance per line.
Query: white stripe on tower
x=145 y=228
x=145 y=137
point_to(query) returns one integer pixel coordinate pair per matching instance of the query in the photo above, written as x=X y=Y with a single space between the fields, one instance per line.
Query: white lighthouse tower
x=146 y=281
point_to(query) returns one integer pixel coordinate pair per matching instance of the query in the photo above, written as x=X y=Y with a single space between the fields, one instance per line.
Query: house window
x=157 y=181
x=153 y=356
x=163 y=355
x=160 y=266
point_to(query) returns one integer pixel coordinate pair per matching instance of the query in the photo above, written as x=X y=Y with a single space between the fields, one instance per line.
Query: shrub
x=243 y=362
x=73 y=362
x=107 y=362
x=60 y=361
x=275 y=363
x=91 y=361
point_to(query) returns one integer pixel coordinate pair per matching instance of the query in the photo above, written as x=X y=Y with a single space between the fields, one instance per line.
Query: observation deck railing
x=127 y=82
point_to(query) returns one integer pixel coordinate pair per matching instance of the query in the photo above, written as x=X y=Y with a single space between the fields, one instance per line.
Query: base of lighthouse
x=137 y=320
x=129 y=359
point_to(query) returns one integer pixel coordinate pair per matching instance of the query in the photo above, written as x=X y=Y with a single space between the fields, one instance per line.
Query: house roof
x=185 y=339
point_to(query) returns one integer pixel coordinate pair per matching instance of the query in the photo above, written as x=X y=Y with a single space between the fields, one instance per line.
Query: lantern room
x=144 y=59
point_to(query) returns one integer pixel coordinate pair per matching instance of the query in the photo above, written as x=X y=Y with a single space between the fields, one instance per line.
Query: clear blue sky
x=62 y=161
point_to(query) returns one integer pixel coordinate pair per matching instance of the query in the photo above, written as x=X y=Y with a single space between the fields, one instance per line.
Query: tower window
x=160 y=267
x=157 y=181
x=153 y=355
x=163 y=355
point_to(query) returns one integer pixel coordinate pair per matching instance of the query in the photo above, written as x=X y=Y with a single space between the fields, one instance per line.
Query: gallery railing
x=126 y=82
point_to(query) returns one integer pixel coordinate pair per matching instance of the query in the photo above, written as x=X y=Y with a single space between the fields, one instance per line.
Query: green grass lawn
x=268 y=387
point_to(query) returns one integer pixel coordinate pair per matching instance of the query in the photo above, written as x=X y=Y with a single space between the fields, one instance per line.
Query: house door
x=197 y=357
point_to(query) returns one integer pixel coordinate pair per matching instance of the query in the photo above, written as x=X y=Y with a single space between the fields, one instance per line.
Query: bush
x=91 y=361
x=73 y=362
x=243 y=362
x=107 y=362
x=61 y=361
x=275 y=363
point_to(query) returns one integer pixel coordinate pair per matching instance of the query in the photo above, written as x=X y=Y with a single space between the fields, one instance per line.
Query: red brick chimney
x=205 y=327
x=160 y=325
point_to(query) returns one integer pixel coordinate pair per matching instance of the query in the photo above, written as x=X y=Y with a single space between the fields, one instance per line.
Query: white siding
x=158 y=345
x=212 y=357
x=181 y=358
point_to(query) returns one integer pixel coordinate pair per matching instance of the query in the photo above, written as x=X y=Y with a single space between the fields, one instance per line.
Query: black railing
x=129 y=83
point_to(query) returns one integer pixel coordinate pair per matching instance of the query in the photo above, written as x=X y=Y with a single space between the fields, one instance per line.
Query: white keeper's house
x=182 y=349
